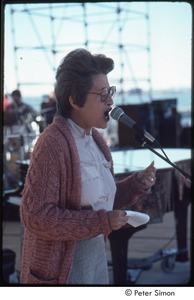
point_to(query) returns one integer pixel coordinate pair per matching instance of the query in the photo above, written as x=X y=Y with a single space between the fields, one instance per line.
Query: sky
x=155 y=53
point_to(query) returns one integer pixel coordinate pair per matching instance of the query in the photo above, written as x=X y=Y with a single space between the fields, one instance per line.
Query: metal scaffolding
x=49 y=31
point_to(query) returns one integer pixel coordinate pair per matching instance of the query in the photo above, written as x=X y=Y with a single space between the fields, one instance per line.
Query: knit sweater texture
x=51 y=206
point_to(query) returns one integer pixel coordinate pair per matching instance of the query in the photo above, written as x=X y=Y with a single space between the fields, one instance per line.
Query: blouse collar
x=77 y=130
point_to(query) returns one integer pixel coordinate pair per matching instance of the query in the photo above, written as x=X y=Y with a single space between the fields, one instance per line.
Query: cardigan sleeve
x=129 y=191
x=44 y=211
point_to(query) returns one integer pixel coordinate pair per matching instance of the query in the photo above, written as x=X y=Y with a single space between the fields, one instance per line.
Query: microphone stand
x=144 y=143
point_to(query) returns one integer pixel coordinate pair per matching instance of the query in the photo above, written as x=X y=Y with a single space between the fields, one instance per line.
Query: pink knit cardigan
x=51 y=211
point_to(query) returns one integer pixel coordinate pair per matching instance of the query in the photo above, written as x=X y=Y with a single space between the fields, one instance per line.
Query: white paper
x=136 y=218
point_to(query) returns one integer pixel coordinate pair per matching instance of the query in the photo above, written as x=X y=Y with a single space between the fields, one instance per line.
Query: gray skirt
x=90 y=263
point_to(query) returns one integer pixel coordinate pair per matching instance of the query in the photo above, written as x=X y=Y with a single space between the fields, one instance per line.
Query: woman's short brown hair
x=74 y=77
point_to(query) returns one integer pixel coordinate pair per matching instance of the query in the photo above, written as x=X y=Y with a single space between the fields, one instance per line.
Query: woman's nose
x=109 y=100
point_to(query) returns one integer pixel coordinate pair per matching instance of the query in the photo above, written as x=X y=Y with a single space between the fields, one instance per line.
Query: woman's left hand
x=147 y=177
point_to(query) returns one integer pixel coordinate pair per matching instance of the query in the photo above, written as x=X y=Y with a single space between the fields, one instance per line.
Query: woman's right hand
x=117 y=219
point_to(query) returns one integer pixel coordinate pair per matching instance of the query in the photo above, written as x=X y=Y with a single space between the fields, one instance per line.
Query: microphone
x=118 y=114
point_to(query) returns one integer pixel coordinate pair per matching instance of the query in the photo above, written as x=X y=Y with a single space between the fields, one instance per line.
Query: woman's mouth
x=106 y=115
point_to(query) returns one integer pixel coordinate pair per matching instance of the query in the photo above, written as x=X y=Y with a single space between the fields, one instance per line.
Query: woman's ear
x=73 y=104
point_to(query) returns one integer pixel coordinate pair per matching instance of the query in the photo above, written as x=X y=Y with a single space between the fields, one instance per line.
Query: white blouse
x=98 y=185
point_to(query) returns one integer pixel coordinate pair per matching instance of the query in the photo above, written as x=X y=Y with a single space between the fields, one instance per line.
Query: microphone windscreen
x=116 y=113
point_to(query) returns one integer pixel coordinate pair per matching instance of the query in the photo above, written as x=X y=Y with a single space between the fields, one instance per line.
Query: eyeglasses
x=105 y=93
